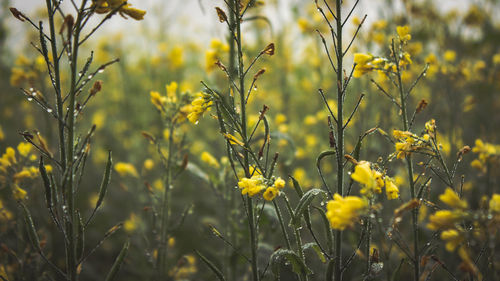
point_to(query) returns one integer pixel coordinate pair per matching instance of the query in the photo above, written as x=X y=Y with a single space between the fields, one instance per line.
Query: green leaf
x=328 y=229
x=316 y=249
x=297 y=187
x=298 y=266
x=118 y=262
x=212 y=266
x=304 y=203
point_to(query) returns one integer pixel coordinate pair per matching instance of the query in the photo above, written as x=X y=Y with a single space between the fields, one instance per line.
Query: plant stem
x=70 y=197
x=165 y=209
x=57 y=84
x=409 y=163
x=246 y=162
x=340 y=137
x=282 y=224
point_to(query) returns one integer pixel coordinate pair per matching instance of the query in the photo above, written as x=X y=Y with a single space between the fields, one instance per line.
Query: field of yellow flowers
x=280 y=140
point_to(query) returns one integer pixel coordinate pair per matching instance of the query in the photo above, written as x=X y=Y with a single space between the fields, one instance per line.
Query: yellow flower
x=233 y=140
x=251 y=186
x=452 y=238
x=391 y=190
x=450 y=55
x=19 y=193
x=363 y=64
x=10 y=155
x=22 y=175
x=149 y=164
x=342 y=212
x=199 y=105
x=24 y=149
x=126 y=169
x=495 y=203
x=270 y=193
x=444 y=219
x=404 y=33
x=107 y=6
x=279 y=183
x=130 y=225
x=158 y=100
x=371 y=180
x=450 y=198
x=209 y=159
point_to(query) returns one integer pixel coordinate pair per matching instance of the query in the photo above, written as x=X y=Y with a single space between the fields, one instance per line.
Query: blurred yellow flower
x=131 y=224
x=450 y=198
x=24 y=149
x=404 y=33
x=270 y=193
x=18 y=193
x=209 y=159
x=126 y=169
x=342 y=212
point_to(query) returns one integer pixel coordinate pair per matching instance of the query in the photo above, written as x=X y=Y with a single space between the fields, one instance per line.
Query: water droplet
x=255 y=88
x=49 y=110
x=31 y=89
x=80 y=73
x=101 y=70
x=425 y=74
x=30 y=99
x=90 y=77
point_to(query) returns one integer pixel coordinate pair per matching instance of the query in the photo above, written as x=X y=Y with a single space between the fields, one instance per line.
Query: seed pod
x=105 y=181
x=118 y=262
x=35 y=242
x=46 y=184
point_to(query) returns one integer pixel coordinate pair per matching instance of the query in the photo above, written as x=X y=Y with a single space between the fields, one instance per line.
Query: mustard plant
x=62 y=185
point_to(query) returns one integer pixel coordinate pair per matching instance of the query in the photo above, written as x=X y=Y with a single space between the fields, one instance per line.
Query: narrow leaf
x=46 y=183
x=35 y=242
x=304 y=203
x=212 y=266
x=105 y=181
x=118 y=262
x=298 y=266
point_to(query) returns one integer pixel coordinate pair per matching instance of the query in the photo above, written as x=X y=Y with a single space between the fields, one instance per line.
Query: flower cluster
x=342 y=212
x=17 y=167
x=488 y=153
x=407 y=142
x=254 y=185
x=200 y=105
x=125 y=9
x=175 y=103
x=373 y=181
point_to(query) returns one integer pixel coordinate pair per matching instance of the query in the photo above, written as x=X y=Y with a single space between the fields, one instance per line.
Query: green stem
x=298 y=239
x=165 y=213
x=409 y=162
x=340 y=137
x=57 y=82
x=246 y=162
x=70 y=197
x=282 y=224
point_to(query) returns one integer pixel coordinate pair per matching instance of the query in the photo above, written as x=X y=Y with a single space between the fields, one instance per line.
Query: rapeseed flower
x=126 y=169
x=450 y=198
x=342 y=212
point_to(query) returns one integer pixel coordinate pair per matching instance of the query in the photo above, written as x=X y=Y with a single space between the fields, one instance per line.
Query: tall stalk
x=165 y=207
x=409 y=164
